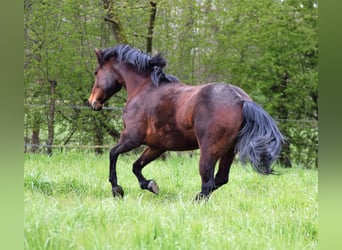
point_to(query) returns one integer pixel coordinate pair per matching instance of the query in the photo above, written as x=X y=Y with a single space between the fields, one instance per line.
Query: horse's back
x=223 y=94
x=212 y=102
x=219 y=99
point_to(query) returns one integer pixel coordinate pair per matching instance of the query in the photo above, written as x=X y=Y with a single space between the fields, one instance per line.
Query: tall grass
x=68 y=205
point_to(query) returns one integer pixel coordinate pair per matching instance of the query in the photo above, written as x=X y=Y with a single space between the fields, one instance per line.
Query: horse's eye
x=95 y=73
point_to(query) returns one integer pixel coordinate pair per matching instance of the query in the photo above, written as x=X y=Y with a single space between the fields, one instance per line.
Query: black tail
x=259 y=140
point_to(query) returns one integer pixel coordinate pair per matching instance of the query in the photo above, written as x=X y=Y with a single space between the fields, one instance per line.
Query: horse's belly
x=172 y=139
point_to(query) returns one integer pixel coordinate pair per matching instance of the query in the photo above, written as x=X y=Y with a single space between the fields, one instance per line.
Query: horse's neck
x=136 y=85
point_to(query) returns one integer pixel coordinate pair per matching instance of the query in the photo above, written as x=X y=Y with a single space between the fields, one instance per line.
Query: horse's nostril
x=94 y=105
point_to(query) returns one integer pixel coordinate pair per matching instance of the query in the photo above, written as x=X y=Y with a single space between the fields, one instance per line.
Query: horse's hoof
x=201 y=197
x=118 y=191
x=153 y=187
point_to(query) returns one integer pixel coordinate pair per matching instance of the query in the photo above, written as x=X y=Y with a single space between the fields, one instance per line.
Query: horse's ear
x=98 y=53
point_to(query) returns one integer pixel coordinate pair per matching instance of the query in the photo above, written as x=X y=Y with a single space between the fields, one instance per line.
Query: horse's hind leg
x=147 y=156
x=222 y=175
x=206 y=169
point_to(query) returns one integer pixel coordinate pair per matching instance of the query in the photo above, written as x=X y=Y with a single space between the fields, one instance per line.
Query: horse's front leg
x=147 y=156
x=125 y=144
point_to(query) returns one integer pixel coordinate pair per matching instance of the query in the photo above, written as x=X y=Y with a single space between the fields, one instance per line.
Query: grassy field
x=69 y=205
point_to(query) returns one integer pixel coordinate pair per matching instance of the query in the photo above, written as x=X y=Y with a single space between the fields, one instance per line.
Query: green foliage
x=267 y=47
x=68 y=204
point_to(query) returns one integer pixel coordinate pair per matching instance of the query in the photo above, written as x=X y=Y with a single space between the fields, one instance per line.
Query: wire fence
x=121 y=108
x=37 y=106
x=27 y=145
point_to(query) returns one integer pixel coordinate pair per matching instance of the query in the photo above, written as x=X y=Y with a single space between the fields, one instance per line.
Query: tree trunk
x=35 y=132
x=98 y=139
x=284 y=157
x=51 y=120
x=149 y=38
x=113 y=21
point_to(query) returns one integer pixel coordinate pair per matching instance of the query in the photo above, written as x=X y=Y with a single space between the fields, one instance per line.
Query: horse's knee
x=113 y=155
x=135 y=168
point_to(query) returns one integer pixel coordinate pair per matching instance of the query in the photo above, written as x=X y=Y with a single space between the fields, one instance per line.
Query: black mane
x=142 y=62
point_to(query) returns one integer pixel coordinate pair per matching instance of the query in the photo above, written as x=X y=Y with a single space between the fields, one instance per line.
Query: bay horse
x=165 y=114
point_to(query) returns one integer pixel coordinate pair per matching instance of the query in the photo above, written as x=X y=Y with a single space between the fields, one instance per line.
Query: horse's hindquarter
x=218 y=117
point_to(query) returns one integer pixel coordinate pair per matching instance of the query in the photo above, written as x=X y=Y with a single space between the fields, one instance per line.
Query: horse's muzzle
x=97 y=106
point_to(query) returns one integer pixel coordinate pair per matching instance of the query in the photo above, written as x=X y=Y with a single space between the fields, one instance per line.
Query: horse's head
x=108 y=81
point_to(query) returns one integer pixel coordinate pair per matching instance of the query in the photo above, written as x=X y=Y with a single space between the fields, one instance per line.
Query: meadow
x=69 y=205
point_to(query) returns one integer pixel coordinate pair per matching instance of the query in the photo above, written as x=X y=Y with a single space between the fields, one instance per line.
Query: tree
x=56 y=51
x=267 y=47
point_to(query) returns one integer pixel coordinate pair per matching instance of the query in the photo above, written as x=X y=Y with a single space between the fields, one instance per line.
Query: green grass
x=69 y=205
